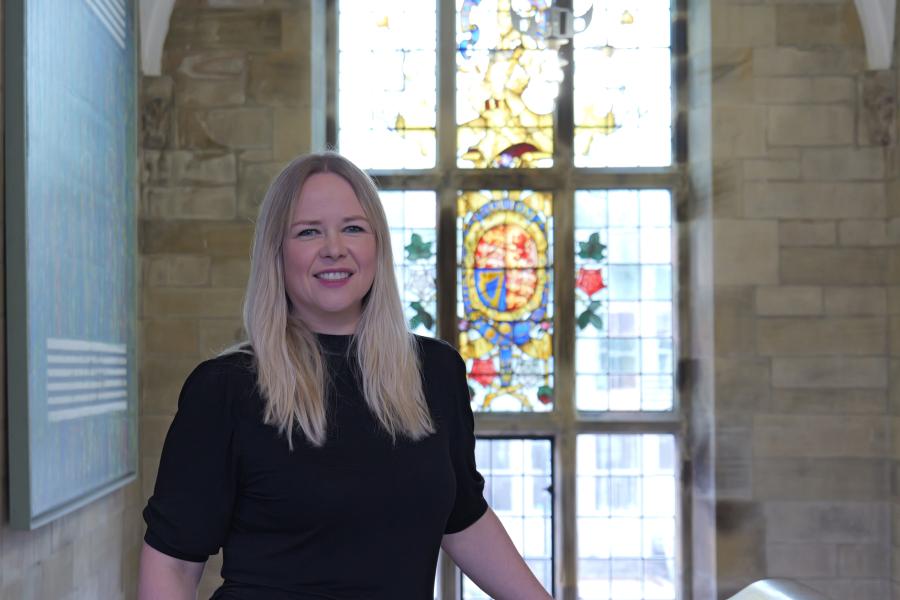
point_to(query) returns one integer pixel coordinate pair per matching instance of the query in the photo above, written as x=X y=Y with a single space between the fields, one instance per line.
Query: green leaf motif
x=589 y=317
x=422 y=317
x=418 y=249
x=592 y=249
x=584 y=319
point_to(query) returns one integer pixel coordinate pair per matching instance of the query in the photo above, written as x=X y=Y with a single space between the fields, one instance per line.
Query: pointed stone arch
x=154 y=21
x=878 y=18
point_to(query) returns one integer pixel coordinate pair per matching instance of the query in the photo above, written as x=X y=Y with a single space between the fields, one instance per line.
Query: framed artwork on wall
x=70 y=226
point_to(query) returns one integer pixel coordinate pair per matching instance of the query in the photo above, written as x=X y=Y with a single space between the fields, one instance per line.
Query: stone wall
x=231 y=107
x=806 y=263
x=893 y=214
x=88 y=554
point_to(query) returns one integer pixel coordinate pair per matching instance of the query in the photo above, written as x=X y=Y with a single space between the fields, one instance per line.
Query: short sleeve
x=470 y=504
x=189 y=514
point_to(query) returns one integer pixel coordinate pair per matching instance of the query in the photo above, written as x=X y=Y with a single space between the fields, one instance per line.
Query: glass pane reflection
x=622 y=84
x=624 y=349
x=518 y=474
x=626 y=516
x=387 y=95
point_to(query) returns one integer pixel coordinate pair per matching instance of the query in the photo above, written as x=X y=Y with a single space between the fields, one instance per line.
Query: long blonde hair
x=291 y=372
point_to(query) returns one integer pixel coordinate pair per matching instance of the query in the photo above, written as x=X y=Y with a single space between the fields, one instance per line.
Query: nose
x=333 y=245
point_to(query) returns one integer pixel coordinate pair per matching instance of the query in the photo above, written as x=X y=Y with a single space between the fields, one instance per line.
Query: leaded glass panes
x=518 y=476
x=387 y=83
x=623 y=84
x=626 y=487
x=507 y=81
x=505 y=298
x=508 y=76
x=411 y=217
x=623 y=300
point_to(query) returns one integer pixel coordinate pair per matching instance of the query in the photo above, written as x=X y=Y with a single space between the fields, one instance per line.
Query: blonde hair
x=291 y=371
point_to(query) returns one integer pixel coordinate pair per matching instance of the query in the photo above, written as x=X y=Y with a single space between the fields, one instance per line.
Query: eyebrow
x=344 y=220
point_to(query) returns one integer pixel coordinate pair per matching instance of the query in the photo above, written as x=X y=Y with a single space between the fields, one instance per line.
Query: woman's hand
x=486 y=554
x=163 y=577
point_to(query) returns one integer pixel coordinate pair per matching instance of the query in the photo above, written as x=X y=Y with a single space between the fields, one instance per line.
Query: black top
x=361 y=517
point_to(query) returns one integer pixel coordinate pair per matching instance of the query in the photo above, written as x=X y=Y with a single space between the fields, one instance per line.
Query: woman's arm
x=486 y=554
x=163 y=577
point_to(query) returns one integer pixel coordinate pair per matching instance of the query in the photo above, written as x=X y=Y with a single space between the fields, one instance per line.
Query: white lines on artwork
x=71 y=386
x=112 y=15
x=67 y=414
x=62 y=359
x=85 y=372
x=91 y=397
x=83 y=376
x=65 y=344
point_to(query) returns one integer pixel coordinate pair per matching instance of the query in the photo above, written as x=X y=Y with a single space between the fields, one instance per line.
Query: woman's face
x=329 y=255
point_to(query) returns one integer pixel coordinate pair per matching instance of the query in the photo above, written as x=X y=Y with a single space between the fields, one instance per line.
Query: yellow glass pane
x=508 y=76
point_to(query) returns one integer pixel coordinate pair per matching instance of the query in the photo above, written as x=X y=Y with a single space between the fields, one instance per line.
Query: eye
x=308 y=232
x=354 y=229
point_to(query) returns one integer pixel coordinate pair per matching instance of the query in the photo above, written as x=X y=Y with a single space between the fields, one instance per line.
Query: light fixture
x=554 y=25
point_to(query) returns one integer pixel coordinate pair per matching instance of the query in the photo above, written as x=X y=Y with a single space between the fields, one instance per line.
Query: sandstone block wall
x=232 y=106
x=805 y=252
x=879 y=108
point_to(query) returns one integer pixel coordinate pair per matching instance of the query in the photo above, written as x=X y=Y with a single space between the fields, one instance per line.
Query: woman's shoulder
x=436 y=349
x=220 y=383
x=444 y=376
x=236 y=358
x=232 y=367
x=439 y=360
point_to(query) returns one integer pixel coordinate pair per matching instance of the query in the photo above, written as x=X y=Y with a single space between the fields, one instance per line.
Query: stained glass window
x=505 y=290
x=412 y=218
x=387 y=83
x=623 y=300
x=466 y=106
x=507 y=82
x=623 y=84
x=518 y=476
x=626 y=486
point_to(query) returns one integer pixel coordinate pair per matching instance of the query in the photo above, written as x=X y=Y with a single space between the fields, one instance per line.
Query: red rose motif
x=590 y=281
x=483 y=371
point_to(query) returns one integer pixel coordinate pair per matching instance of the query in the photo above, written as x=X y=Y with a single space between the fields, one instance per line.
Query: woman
x=332 y=455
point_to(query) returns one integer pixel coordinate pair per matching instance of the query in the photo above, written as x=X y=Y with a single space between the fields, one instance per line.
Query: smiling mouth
x=333 y=275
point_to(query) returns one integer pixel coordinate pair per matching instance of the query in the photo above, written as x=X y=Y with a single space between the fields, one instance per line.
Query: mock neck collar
x=334 y=344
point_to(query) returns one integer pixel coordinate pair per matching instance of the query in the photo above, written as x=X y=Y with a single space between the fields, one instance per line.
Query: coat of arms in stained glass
x=506 y=325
